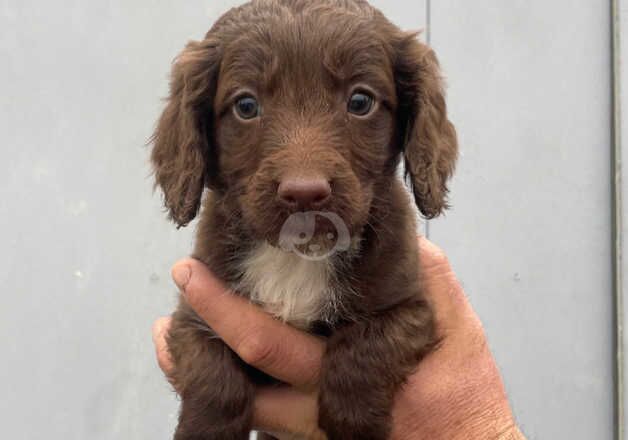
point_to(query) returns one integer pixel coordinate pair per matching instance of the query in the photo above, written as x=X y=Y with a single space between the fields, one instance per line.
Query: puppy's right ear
x=182 y=155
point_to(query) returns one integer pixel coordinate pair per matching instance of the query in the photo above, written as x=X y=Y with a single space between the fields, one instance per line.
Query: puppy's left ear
x=430 y=143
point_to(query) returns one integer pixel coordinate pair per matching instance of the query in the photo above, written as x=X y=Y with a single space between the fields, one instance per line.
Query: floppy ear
x=182 y=154
x=429 y=139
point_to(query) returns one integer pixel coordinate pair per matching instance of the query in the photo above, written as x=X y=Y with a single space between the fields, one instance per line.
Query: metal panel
x=86 y=247
x=87 y=250
x=529 y=234
x=620 y=49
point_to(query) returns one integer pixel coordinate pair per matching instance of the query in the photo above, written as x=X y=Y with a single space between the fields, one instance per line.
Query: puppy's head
x=291 y=105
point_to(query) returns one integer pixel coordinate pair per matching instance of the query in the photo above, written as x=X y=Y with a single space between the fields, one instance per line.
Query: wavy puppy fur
x=301 y=62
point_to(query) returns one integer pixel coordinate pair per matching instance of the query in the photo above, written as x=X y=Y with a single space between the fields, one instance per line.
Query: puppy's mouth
x=314 y=235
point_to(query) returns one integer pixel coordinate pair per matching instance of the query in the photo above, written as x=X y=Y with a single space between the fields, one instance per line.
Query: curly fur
x=302 y=59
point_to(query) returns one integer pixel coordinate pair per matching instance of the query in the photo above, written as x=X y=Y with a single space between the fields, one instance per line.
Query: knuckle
x=437 y=264
x=313 y=433
x=476 y=333
x=255 y=350
x=163 y=359
x=432 y=256
x=439 y=258
x=160 y=328
x=156 y=329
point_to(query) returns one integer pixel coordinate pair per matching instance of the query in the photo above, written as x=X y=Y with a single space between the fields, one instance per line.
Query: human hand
x=455 y=393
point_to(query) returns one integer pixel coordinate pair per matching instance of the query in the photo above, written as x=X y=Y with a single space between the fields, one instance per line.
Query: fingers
x=287 y=411
x=443 y=290
x=160 y=330
x=261 y=341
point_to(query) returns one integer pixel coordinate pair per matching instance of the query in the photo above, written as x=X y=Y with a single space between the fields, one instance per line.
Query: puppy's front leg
x=216 y=393
x=365 y=365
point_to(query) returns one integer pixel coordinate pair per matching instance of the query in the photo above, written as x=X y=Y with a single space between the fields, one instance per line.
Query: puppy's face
x=287 y=107
x=304 y=121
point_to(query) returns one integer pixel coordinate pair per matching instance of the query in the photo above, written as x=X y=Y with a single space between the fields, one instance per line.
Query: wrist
x=471 y=422
x=494 y=422
x=477 y=407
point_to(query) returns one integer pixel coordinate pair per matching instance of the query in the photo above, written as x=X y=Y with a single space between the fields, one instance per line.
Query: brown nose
x=304 y=193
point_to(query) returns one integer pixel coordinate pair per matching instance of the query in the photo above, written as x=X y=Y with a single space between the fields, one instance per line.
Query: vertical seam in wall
x=428 y=21
x=617 y=219
x=428 y=39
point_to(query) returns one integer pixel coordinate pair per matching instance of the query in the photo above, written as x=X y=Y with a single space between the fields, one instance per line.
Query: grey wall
x=529 y=234
x=86 y=250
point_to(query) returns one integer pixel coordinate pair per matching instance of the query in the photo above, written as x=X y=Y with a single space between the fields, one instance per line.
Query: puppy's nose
x=304 y=193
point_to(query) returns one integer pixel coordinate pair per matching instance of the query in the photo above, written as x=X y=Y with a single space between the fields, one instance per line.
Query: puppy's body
x=296 y=63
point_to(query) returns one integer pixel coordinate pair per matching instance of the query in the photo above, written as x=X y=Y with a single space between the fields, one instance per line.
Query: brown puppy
x=295 y=115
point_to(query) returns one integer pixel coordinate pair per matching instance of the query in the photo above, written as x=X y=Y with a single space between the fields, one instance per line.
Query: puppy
x=294 y=116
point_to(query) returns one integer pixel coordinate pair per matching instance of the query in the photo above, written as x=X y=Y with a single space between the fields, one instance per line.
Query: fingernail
x=181 y=275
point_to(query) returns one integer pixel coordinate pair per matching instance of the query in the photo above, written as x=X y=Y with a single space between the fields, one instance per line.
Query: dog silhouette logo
x=314 y=235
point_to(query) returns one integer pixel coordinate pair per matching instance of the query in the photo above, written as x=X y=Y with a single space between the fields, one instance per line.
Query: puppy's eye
x=361 y=104
x=247 y=107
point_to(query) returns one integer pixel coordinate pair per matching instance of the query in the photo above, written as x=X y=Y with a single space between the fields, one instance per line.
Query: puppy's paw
x=353 y=416
x=216 y=430
x=212 y=416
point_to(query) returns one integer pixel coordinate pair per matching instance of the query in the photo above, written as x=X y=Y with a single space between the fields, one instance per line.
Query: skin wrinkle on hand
x=456 y=393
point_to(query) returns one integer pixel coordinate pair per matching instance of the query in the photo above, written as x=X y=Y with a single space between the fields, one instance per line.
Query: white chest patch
x=293 y=289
